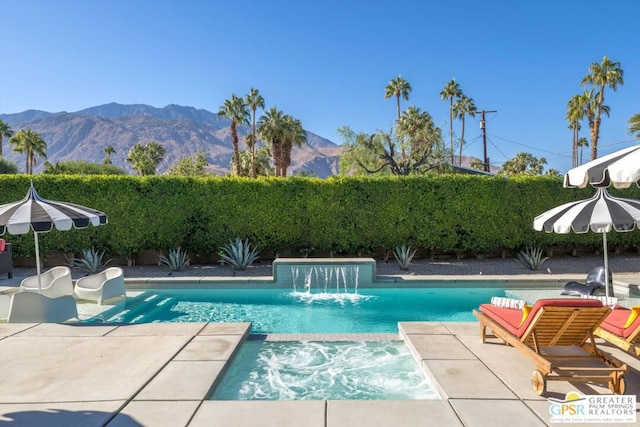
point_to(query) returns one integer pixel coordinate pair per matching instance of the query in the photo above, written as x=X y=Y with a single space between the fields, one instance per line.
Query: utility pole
x=484 y=138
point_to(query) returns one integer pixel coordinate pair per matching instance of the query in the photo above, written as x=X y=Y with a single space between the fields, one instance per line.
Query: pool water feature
x=312 y=370
x=370 y=310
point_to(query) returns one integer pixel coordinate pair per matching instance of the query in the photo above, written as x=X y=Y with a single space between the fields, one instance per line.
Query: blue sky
x=327 y=62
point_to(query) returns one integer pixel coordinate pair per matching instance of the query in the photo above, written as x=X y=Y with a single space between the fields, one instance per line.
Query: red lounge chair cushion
x=3 y=244
x=511 y=319
x=616 y=320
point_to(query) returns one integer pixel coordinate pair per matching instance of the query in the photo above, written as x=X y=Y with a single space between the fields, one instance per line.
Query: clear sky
x=327 y=62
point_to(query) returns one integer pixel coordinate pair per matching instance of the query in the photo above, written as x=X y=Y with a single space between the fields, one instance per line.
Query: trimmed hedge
x=452 y=214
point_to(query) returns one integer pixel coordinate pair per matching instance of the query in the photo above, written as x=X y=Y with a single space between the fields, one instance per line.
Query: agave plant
x=238 y=254
x=177 y=260
x=531 y=258
x=91 y=261
x=404 y=255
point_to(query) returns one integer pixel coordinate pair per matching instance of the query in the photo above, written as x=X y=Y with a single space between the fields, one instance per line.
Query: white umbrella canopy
x=620 y=169
x=599 y=214
x=41 y=215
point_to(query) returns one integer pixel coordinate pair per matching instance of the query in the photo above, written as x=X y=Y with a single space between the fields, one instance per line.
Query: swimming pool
x=324 y=371
x=370 y=310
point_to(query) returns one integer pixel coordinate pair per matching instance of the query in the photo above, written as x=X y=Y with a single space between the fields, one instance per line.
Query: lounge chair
x=32 y=307
x=54 y=283
x=551 y=335
x=613 y=330
x=593 y=285
x=102 y=286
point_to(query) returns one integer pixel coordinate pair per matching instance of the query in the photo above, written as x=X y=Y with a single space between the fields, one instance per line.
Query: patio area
x=160 y=375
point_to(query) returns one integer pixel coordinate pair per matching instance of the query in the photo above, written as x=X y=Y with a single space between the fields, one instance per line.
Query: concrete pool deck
x=160 y=375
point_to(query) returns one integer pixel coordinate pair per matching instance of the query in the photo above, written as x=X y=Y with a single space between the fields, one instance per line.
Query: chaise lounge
x=557 y=334
x=621 y=330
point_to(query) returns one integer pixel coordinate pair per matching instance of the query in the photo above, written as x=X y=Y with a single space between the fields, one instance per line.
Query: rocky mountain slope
x=183 y=131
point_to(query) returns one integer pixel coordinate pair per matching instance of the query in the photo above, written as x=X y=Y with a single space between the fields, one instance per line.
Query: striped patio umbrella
x=40 y=215
x=600 y=214
x=620 y=169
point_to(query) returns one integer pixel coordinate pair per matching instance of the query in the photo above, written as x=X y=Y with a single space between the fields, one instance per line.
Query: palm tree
x=575 y=114
x=463 y=106
x=590 y=103
x=634 y=125
x=253 y=100
x=294 y=135
x=5 y=132
x=108 y=152
x=582 y=142
x=272 y=129
x=145 y=158
x=451 y=90
x=30 y=143
x=234 y=109
x=601 y=75
x=399 y=88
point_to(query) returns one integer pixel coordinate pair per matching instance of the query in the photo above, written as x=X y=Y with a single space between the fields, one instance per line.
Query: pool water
x=283 y=311
x=310 y=370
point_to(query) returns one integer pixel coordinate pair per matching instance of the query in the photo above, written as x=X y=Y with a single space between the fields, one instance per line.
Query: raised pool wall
x=282 y=278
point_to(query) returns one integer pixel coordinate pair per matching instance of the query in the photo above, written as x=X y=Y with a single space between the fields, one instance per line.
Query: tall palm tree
x=575 y=114
x=30 y=143
x=253 y=100
x=272 y=129
x=234 y=109
x=399 y=88
x=5 y=132
x=464 y=106
x=601 y=75
x=634 y=125
x=451 y=90
x=108 y=152
x=582 y=142
x=294 y=135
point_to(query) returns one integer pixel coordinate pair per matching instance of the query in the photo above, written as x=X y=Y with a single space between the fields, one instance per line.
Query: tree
x=294 y=135
x=8 y=167
x=190 y=166
x=272 y=128
x=30 y=143
x=81 y=167
x=451 y=90
x=145 y=158
x=477 y=164
x=582 y=142
x=601 y=75
x=399 y=88
x=262 y=161
x=463 y=106
x=234 y=109
x=634 y=125
x=576 y=110
x=5 y=132
x=108 y=152
x=379 y=153
x=523 y=164
x=253 y=100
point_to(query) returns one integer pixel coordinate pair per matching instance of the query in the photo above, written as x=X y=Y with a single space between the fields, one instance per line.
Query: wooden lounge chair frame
x=628 y=344
x=562 y=326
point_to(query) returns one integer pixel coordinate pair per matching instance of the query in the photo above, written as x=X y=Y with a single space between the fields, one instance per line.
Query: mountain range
x=183 y=131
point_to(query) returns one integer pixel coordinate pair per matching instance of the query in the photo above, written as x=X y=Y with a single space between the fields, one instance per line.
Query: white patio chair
x=102 y=286
x=32 y=307
x=53 y=283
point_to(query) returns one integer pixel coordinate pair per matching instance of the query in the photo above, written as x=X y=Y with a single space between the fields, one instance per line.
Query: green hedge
x=452 y=214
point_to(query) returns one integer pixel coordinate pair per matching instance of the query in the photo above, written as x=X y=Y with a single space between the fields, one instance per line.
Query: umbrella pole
x=35 y=234
x=606 y=264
